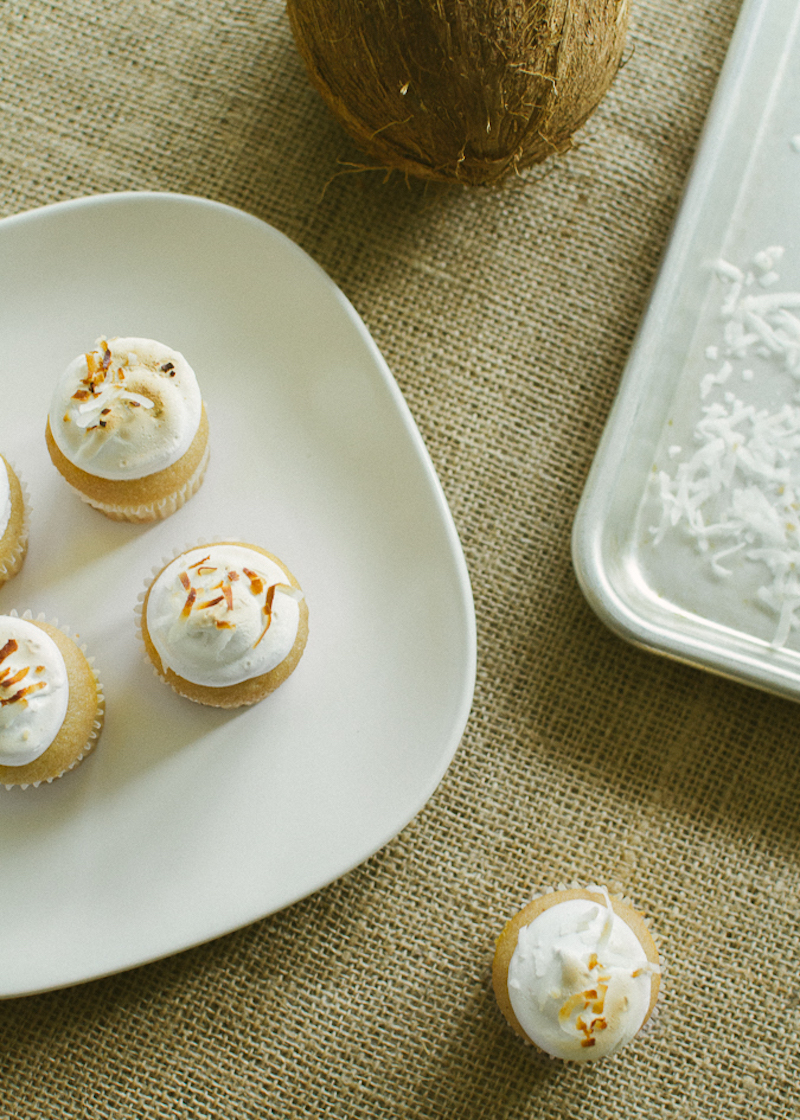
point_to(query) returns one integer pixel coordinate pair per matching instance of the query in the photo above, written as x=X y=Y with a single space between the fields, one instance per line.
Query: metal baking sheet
x=687 y=536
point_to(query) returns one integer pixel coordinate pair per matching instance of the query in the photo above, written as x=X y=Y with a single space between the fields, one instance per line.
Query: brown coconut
x=461 y=90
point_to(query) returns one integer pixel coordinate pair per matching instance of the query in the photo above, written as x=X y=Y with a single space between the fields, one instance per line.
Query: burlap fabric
x=506 y=317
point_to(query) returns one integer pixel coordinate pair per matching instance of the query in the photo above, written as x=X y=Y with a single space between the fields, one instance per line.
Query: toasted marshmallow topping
x=33 y=691
x=222 y=614
x=127 y=409
x=5 y=497
x=579 y=980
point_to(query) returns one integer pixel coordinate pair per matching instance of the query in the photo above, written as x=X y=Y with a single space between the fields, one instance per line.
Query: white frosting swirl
x=579 y=980
x=213 y=618
x=127 y=409
x=5 y=497
x=34 y=691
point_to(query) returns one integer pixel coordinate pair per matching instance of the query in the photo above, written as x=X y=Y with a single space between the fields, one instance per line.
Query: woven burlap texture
x=506 y=317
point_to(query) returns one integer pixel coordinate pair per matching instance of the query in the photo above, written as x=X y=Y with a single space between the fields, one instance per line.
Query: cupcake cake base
x=576 y=973
x=82 y=722
x=150 y=498
x=127 y=429
x=224 y=623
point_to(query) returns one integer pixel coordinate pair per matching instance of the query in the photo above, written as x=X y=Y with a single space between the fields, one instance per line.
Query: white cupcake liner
x=97 y=724
x=151 y=511
x=12 y=564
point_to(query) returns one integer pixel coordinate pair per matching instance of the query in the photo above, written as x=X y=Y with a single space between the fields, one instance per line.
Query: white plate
x=710 y=592
x=189 y=822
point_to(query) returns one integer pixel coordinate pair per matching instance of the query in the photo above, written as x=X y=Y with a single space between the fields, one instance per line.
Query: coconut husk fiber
x=461 y=91
x=506 y=317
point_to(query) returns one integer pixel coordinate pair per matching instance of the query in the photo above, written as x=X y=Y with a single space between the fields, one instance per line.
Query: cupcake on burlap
x=224 y=623
x=128 y=429
x=51 y=701
x=14 y=517
x=577 y=973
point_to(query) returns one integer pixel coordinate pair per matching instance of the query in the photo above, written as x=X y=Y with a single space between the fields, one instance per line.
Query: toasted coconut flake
x=17 y=677
x=256 y=582
x=569 y=1005
x=187 y=606
x=136 y=399
x=20 y=694
x=210 y=603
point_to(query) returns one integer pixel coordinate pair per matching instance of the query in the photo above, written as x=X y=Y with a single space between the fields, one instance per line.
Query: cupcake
x=576 y=973
x=128 y=430
x=13 y=522
x=224 y=623
x=51 y=702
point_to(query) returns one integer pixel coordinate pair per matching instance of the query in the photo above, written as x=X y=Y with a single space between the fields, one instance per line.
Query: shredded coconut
x=736 y=490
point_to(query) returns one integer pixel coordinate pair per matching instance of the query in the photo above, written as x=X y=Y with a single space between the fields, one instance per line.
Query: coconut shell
x=460 y=90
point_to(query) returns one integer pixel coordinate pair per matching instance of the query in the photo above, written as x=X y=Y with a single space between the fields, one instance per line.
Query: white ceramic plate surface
x=188 y=822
